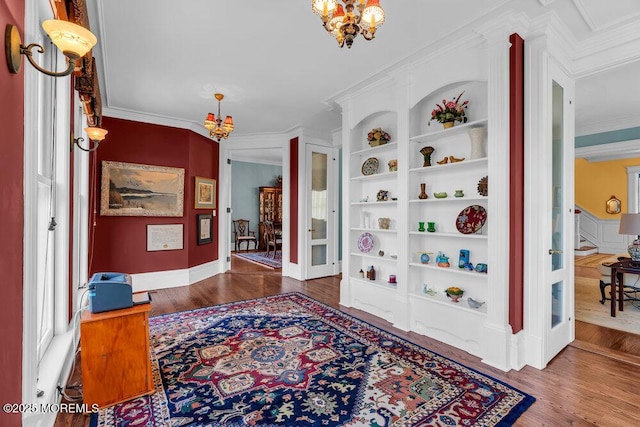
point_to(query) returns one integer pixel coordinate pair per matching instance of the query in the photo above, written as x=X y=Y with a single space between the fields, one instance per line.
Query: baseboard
x=174 y=278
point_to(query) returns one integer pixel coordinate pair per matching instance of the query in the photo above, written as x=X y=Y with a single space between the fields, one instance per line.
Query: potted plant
x=454 y=293
x=378 y=137
x=450 y=112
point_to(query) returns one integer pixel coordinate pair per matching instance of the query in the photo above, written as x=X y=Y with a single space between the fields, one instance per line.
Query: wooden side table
x=115 y=359
x=618 y=269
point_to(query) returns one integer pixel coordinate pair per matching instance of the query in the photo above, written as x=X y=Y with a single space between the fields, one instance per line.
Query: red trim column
x=516 y=189
x=293 y=213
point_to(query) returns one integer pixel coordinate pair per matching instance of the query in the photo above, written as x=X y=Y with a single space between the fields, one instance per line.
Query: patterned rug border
x=507 y=420
x=247 y=257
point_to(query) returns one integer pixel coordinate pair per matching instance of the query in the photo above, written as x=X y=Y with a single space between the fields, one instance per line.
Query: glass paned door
x=320 y=218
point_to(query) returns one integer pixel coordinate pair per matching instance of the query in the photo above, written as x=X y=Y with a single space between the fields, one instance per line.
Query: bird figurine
x=473 y=303
x=443 y=161
x=455 y=160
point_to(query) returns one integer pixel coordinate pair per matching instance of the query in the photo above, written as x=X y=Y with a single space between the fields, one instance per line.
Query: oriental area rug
x=288 y=360
x=262 y=258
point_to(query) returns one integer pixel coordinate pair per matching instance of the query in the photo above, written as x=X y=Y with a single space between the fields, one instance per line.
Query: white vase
x=477 y=137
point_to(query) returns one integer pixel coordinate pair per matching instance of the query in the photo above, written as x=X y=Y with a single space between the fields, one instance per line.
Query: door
x=558 y=297
x=321 y=201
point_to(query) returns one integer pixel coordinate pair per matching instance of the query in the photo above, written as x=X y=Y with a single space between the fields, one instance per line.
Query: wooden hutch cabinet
x=270 y=209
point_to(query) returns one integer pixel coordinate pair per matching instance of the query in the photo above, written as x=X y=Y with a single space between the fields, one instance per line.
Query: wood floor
x=582 y=386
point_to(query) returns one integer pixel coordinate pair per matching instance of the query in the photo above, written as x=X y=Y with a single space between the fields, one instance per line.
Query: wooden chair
x=271 y=239
x=243 y=233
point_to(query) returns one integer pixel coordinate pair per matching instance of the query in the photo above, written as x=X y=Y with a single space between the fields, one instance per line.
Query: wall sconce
x=95 y=134
x=613 y=205
x=73 y=40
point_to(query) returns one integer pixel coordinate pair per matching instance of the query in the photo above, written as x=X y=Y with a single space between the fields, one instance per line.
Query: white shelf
x=453 y=269
x=376 y=283
x=446 y=133
x=388 y=202
x=374 y=230
x=375 y=176
x=374 y=150
x=460 y=305
x=449 y=235
x=450 y=199
x=449 y=166
x=374 y=256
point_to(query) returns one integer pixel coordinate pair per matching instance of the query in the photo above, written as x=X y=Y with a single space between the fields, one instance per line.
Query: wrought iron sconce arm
x=26 y=51
x=80 y=139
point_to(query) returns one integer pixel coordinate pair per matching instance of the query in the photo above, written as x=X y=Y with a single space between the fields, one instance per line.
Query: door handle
x=311 y=229
x=554 y=251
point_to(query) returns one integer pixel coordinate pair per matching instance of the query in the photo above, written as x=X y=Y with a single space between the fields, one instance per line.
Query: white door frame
x=544 y=69
x=330 y=268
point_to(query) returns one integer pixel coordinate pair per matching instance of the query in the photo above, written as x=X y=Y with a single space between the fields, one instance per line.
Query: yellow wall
x=596 y=182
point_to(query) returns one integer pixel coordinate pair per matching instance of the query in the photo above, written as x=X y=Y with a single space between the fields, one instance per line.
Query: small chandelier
x=216 y=127
x=345 y=26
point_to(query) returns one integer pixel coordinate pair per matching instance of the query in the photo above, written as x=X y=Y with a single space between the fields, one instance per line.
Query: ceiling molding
x=612 y=151
x=545 y=2
x=630 y=121
x=588 y=17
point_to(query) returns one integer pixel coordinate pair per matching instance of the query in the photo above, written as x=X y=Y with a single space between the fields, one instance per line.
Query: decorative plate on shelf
x=483 y=186
x=471 y=219
x=370 y=166
x=365 y=242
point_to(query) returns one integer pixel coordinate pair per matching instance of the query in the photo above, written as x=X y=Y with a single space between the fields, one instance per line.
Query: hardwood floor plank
x=578 y=388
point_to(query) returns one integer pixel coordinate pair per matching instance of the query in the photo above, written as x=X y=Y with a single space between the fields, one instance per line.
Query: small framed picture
x=205 y=228
x=205 y=193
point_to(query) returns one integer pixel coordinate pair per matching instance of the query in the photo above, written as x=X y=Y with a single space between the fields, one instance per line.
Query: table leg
x=613 y=292
x=621 y=292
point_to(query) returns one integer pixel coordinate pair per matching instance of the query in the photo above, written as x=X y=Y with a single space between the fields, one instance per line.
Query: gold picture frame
x=205 y=193
x=130 y=189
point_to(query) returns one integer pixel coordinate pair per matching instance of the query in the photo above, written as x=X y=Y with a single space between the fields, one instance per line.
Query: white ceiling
x=277 y=66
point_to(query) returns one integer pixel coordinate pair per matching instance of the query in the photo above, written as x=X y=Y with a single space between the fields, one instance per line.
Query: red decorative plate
x=365 y=242
x=471 y=219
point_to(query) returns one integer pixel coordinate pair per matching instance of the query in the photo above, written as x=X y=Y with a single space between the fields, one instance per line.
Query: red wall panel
x=119 y=243
x=11 y=218
x=293 y=177
x=516 y=190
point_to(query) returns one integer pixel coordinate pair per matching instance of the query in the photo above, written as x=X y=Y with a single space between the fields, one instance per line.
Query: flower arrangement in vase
x=450 y=112
x=378 y=137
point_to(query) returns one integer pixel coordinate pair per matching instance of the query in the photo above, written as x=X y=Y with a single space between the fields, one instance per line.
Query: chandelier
x=345 y=23
x=216 y=127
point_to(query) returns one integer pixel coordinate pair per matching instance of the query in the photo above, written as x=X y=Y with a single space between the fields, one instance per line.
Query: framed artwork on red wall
x=205 y=228
x=130 y=189
x=205 y=193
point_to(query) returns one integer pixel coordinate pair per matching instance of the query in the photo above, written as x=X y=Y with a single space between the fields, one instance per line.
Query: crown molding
x=626 y=122
x=612 y=151
x=588 y=18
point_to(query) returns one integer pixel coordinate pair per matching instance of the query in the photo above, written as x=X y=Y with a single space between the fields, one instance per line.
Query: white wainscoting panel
x=602 y=233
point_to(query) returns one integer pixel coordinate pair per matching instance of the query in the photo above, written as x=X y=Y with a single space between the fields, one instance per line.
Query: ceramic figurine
x=455 y=160
x=473 y=303
x=380 y=252
x=443 y=161
x=424 y=258
x=441 y=195
x=481 y=268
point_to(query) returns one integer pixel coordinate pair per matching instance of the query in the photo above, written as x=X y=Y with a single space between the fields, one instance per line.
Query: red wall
x=120 y=241
x=11 y=218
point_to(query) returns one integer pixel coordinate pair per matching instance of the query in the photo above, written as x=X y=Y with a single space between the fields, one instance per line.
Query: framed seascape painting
x=205 y=228
x=205 y=193
x=129 y=189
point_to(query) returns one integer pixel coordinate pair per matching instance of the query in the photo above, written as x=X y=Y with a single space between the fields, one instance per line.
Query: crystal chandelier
x=345 y=23
x=216 y=127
